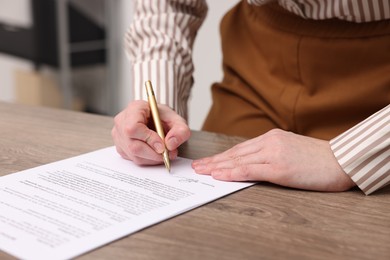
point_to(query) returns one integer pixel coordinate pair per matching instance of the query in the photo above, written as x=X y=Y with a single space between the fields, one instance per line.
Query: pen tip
x=166 y=161
x=168 y=166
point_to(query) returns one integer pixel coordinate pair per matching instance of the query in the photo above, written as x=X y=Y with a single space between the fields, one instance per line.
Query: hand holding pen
x=135 y=141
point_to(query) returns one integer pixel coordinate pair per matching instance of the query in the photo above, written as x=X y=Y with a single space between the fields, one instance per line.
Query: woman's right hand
x=136 y=140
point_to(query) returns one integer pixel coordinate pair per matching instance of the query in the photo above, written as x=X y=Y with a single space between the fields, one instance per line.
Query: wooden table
x=262 y=222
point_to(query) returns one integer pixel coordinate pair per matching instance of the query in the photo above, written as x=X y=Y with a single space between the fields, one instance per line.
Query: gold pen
x=157 y=121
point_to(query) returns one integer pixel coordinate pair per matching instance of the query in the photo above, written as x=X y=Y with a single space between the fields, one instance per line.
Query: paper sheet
x=64 y=209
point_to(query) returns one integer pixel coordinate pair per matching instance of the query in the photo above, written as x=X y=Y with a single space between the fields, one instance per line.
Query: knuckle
x=130 y=130
x=275 y=131
x=137 y=104
x=184 y=132
x=182 y=129
x=164 y=107
x=231 y=155
x=228 y=175
x=148 y=138
x=244 y=173
x=238 y=161
x=275 y=136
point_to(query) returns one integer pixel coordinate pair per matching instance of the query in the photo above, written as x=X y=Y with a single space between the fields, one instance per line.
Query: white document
x=66 y=208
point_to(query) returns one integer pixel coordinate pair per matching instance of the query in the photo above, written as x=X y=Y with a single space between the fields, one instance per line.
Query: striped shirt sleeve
x=358 y=11
x=364 y=151
x=159 y=45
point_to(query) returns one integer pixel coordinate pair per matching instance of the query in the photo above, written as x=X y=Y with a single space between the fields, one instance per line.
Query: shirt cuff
x=171 y=83
x=364 y=151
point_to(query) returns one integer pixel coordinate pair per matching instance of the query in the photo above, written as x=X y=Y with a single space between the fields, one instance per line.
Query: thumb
x=177 y=136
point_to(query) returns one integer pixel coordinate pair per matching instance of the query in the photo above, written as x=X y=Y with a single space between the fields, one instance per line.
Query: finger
x=233 y=155
x=140 y=132
x=150 y=137
x=132 y=124
x=175 y=127
x=143 y=161
x=177 y=130
x=176 y=136
x=136 y=112
x=235 y=162
x=173 y=154
x=139 y=149
x=131 y=148
x=251 y=172
x=259 y=146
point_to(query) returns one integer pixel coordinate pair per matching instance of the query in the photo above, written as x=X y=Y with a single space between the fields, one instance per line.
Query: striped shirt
x=159 y=41
x=350 y=10
x=159 y=45
x=364 y=151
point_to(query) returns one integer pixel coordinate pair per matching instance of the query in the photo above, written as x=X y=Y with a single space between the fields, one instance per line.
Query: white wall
x=125 y=77
x=207 y=61
x=16 y=12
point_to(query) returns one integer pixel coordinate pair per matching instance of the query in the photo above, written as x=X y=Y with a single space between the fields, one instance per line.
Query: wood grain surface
x=261 y=222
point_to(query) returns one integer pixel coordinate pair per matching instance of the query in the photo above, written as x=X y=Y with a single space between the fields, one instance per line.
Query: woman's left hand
x=279 y=157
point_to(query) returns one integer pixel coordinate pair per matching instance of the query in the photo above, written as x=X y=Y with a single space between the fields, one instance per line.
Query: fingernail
x=198 y=161
x=158 y=147
x=200 y=167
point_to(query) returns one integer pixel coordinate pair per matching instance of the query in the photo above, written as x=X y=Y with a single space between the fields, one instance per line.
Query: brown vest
x=315 y=78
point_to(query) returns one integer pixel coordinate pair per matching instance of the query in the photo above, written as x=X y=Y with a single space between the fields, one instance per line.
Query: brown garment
x=315 y=78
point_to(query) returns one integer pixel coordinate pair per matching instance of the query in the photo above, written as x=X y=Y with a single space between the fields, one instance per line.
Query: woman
x=298 y=75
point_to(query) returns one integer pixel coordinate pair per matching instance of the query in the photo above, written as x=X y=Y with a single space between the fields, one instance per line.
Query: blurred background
x=69 y=54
